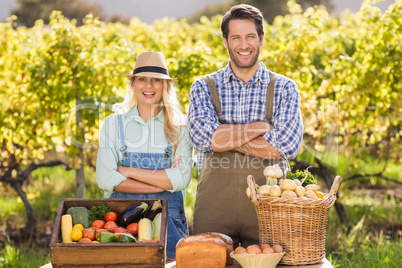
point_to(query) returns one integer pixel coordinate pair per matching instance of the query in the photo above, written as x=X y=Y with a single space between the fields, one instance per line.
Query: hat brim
x=149 y=74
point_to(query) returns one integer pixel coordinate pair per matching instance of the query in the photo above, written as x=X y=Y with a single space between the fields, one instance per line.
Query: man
x=249 y=121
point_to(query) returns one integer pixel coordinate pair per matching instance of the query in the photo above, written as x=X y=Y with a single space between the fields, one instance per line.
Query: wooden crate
x=107 y=254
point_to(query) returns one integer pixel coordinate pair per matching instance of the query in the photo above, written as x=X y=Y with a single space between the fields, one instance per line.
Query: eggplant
x=154 y=210
x=132 y=214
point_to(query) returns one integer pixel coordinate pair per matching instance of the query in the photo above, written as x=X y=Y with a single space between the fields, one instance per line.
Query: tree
x=28 y=11
x=63 y=76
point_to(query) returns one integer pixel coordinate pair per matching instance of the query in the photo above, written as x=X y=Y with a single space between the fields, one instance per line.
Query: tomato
x=110 y=216
x=132 y=228
x=89 y=233
x=110 y=225
x=84 y=240
x=119 y=231
x=98 y=224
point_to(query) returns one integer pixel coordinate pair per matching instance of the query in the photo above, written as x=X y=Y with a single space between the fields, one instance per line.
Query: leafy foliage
x=98 y=212
x=348 y=71
x=302 y=175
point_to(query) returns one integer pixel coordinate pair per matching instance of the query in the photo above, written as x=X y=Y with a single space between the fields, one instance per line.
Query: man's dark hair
x=243 y=12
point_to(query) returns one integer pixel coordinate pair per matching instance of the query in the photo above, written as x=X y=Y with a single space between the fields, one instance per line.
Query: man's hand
x=260 y=148
x=231 y=136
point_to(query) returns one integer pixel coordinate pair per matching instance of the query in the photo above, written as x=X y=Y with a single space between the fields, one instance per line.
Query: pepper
x=106 y=237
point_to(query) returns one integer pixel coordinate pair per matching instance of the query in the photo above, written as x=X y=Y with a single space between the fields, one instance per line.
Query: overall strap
x=123 y=146
x=214 y=95
x=270 y=96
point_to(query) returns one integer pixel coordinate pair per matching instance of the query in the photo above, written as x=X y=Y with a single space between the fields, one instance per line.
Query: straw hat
x=151 y=64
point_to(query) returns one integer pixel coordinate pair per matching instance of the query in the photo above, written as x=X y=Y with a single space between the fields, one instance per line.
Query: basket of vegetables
x=293 y=212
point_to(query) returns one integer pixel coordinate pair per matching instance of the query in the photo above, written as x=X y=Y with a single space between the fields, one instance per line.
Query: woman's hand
x=176 y=162
x=124 y=170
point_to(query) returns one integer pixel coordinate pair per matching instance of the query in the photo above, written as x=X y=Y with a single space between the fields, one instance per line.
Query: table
x=324 y=264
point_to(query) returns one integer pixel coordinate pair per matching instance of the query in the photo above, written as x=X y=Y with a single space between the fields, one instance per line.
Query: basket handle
x=334 y=187
x=253 y=191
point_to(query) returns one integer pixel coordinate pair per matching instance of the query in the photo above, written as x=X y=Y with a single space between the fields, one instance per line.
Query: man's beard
x=240 y=65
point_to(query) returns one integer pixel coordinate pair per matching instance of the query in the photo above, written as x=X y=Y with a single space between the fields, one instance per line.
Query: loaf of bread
x=228 y=244
x=200 y=251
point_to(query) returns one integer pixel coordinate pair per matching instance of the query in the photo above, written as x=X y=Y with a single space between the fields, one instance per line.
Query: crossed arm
x=146 y=181
x=244 y=138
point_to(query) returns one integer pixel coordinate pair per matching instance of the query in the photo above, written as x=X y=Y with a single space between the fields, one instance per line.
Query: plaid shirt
x=246 y=103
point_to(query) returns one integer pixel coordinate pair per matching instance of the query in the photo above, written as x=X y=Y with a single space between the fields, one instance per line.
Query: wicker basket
x=298 y=224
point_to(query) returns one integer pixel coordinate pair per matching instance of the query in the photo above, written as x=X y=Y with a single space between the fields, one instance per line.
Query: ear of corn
x=145 y=230
x=157 y=226
x=66 y=228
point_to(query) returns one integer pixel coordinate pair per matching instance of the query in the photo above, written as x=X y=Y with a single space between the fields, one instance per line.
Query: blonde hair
x=171 y=108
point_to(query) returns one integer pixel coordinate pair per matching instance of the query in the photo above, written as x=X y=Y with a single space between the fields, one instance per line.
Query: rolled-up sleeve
x=287 y=135
x=180 y=176
x=107 y=175
x=202 y=119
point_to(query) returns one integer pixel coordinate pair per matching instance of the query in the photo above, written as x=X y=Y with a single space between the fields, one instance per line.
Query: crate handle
x=334 y=187
x=253 y=191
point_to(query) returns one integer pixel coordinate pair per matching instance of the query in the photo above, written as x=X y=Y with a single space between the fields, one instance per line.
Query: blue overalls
x=177 y=222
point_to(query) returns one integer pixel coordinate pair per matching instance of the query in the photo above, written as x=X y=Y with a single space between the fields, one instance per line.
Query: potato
x=298 y=182
x=288 y=193
x=300 y=191
x=311 y=187
x=264 y=189
x=311 y=194
x=275 y=191
x=288 y=185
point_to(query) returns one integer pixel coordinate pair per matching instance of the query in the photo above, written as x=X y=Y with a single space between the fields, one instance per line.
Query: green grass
x=23 y=256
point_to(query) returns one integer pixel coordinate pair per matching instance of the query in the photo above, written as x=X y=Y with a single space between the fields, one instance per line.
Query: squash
x=79 y=227
x=76 y=234
x=66 y=228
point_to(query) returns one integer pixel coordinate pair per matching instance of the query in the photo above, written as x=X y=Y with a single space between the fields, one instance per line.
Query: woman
x=145 y=150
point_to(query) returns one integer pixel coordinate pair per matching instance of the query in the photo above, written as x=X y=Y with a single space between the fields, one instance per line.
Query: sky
x=150 y=10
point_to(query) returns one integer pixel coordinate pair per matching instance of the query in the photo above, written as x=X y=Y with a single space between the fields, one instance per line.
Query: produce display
x=99 y=224
x=300 y=184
